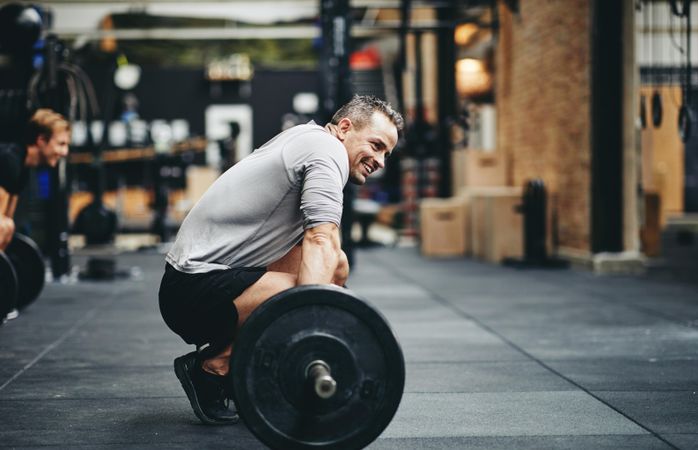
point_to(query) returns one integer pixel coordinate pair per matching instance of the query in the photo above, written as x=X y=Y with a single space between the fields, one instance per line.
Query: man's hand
x=341 y=275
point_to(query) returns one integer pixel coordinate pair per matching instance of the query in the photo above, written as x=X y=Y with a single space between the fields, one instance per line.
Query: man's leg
x=204 y=381
x=266 y=287
x=290 y=263
x=208 y=392
x=281 y=275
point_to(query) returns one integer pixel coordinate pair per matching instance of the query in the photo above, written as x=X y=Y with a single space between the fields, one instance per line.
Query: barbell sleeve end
x=324 y=386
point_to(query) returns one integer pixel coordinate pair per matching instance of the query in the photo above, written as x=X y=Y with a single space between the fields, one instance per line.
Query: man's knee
x=270 y=284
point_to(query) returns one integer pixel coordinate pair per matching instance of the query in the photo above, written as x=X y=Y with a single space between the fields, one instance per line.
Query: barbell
x=28 y=261
x=22 y=269
x=8 y=286
x=317 y=366
x=22 y=274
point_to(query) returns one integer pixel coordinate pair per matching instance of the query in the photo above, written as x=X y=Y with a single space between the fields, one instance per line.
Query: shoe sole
x=181 y=372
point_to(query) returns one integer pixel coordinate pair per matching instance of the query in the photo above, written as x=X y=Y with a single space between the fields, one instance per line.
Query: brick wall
x=543 y=103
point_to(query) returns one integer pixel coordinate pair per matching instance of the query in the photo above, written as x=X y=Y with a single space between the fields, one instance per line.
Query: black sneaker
x=206 y=392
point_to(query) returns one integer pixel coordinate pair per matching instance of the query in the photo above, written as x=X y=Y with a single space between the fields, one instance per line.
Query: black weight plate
x=288 y=332
x=29 y=265
x=8 y=286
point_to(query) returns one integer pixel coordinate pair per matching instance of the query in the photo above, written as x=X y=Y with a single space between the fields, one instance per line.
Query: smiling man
x=46 y=141
x=267 y=224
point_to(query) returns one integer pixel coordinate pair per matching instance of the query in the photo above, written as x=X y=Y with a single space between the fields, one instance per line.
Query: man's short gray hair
x=360 y=109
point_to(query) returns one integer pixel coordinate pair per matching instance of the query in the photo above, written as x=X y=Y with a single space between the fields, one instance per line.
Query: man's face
x=53 y=149
x=369 y=146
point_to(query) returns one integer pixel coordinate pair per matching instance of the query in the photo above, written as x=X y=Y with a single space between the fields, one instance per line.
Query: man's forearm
x=320 y=254
x=319 y=261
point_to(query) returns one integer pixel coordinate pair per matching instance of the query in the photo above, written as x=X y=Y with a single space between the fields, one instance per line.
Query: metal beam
x=185 y=34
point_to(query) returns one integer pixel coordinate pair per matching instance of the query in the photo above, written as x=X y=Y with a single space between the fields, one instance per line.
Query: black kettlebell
x=97 y=223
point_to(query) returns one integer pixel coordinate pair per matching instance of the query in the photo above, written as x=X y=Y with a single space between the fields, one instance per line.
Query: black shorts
x=199 y=306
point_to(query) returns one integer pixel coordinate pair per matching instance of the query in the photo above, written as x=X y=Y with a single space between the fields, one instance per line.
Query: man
x=267 y=224
x=45 y=142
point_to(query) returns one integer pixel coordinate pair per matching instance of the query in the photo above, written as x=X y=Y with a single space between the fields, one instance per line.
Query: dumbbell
x=317 y=367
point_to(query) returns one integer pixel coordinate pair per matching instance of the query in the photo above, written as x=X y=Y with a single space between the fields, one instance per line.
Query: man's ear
x=343 y=126
x=41 y=140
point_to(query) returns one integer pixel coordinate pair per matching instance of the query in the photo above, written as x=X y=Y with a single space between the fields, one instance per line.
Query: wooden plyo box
x=465 y=197
x=442 y=227
x=476 y=168
x=495 y=227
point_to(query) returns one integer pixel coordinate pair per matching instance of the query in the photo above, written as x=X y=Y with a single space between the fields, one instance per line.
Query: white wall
x=655 y=45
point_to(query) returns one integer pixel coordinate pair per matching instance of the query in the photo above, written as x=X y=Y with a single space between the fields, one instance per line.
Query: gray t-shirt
x=256 y=211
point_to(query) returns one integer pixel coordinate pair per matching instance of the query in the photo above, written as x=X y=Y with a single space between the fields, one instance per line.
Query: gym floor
x=496 y=358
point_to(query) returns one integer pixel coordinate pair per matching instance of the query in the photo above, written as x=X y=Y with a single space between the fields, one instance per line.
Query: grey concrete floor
x=496 y=358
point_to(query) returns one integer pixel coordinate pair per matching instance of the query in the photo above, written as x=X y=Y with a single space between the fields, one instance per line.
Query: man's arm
x=321 y=255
